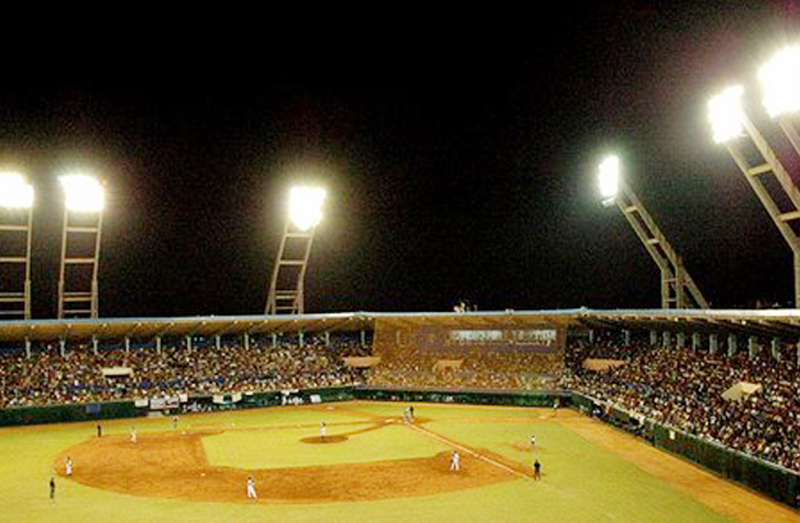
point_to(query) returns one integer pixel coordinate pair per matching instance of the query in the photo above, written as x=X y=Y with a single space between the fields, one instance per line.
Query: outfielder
x=251 y=488
x=323 y=430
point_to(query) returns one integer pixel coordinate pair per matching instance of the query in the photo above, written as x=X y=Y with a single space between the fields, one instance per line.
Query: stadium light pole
x=780 y=82
x=16 y=220
x=83 y=218
x=287 y=286
x=729 y=123
x=678 y=289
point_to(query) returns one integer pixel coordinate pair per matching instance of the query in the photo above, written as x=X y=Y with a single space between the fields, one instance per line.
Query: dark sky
x=459 y=153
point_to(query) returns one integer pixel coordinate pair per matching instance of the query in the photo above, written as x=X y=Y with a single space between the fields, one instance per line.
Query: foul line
x=478 y=455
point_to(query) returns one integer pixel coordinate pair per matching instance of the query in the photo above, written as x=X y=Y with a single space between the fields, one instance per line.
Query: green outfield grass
x=583 y=483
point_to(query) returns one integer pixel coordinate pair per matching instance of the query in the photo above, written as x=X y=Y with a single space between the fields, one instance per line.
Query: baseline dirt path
x=174 y=465
x=721 y=495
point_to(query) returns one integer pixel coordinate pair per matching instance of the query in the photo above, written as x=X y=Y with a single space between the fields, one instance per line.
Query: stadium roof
x=783 y=323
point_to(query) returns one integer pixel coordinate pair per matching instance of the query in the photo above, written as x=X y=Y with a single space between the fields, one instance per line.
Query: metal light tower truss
x=16 y=226
x=769 y=164
x=75 y=298
x=678 y=290
x=288 y=275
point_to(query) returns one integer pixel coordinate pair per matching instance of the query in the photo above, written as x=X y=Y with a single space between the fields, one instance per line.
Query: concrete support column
x=713 y=343
x=626 y=334
x=127 y=342
x=666 y=339
x=697 y=341
x=301 y=337
x=653 y=338
x=28 y=348
x=95 y=345
x=62 y=347
x=752 y=347
x=681 y=340
x=246 y=337
x=775 y=349
x=189 y=343
x=732 y=345
x=218 y=342
x=158 y=344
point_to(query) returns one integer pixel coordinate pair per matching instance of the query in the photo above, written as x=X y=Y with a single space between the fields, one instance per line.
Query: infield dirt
x=174 y=465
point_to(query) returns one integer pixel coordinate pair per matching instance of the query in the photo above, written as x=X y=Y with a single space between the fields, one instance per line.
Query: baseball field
x=371 y=465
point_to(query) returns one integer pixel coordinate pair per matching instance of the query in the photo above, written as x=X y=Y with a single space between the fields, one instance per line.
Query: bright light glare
x=726 y=114
x=15 y=191
x=305 y=206
x=608 y=177
x=780 y=79
x=83 y=193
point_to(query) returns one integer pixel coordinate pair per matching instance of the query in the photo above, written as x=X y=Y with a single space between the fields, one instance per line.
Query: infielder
x=68 y=466
x=537 y=470
x=533 y=442
x=323 y=431
x=52 y=488
x=455 y=462
x=251 y=488
x=133 y=435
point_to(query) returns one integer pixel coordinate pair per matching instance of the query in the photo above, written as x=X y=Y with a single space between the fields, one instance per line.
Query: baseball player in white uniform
x=323 y=430
x=133 y=435
x=68 y=466
x=455 y=461
x=251 y=488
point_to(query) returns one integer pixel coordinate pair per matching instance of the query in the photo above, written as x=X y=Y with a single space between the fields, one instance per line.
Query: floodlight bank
x=726 y=114
x=305 y=206
x=83 y=193
x=15 y=191
x=780 y=80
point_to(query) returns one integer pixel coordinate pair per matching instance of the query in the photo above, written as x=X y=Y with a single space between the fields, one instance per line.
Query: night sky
x=459 y=153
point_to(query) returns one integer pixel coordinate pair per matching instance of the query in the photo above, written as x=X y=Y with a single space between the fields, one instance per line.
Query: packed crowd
x=473 y=369
x=683 y=388
x=47 y=377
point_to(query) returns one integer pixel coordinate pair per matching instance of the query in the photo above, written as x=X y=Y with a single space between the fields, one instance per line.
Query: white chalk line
x=466 y=450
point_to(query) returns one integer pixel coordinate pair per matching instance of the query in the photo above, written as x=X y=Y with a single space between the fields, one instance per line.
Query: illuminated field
x=384 y=470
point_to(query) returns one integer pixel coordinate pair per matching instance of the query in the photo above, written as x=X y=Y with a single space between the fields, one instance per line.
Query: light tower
x=286 y=289
x=678 y=290
x=730 y=123
x=780 y=82
x=80 y=246
x=16 y=226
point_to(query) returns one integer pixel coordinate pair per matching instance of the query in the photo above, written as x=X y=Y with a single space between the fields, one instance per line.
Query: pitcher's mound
x=338 y=438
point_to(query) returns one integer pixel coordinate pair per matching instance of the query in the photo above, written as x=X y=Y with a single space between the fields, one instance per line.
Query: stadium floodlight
x=305 y=206
x=678 y=289
x=15 y=191
x=16 y=199
x=726 y=114
x=287 y=287
x=608 y=178
x=780 y=81
x=83 y=193
x=83 y=224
